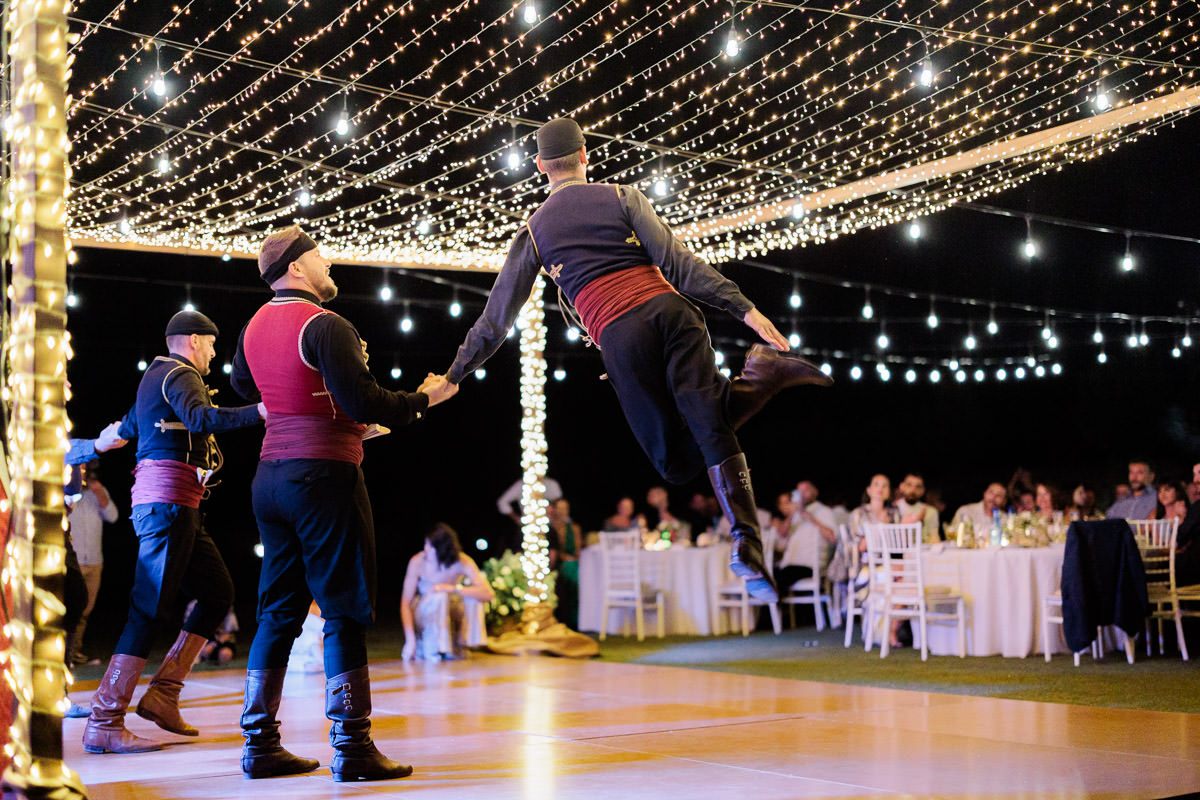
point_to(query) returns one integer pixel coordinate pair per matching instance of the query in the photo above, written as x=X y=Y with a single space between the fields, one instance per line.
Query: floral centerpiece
x=507 y=579
x=1027 y=529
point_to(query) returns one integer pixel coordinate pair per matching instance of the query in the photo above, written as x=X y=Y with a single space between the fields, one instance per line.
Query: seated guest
x=565 y=538
x=1083 y=505
x=1172 y=501
x=876 y=507
x=658 y=499
x=913 y=508
x=624 y=519
x=811 y=532
x=1025 y=501
x=980 y=514
x=1187 y=551
x=431 y=606
x=703 y=513
x=1142 y=496
x=1047 y=501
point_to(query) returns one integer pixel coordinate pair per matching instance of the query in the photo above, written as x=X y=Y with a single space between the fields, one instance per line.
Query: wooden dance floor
x=495 y=727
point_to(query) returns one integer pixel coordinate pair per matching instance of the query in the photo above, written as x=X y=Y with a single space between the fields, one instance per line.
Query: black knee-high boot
x=766 y=373
x=355 y=757
x=263 y=756
x=731 y=482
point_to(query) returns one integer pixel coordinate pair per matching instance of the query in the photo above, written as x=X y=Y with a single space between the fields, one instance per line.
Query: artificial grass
x=1158 y=683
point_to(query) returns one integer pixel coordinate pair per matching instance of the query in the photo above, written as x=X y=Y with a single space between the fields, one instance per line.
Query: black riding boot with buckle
x=263 y=756
x=355 y=757
x=731 y=482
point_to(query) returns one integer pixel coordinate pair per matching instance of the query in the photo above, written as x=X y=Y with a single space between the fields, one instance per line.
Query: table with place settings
x=688 y=577
x=1005 y=591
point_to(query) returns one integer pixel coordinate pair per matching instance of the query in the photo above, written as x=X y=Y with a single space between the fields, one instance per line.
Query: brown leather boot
x=105 y=731
x=160 y=703
x=355 y=757
x=731 y=481
x=262 y=755
x=766 y=373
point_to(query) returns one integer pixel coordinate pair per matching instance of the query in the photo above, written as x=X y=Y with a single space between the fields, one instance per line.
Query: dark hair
x=445 y=544
x=1056 y=495
x=557 y=166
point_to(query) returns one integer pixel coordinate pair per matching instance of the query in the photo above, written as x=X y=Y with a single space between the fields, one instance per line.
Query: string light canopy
x=397 y=133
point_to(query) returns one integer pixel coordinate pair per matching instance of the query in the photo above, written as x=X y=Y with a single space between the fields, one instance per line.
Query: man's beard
x=1136 y=487
x=327 y=292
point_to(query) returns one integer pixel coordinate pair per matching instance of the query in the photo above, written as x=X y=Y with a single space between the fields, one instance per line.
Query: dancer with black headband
x=314 y=517
x=618 y=264
x=173 y=420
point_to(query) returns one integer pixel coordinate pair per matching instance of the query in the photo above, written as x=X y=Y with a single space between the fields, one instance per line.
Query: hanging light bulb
x=992 y=327
x=980 y=375
x=935 y=376
x=226 y=257
x=882 y=341
x=1098 y=335
x=514 y=158
x=125 y=226
x=914 y=230
x=560 y=374
x=925 y=73
x=189 y=306
x=794 y=340
x=72 y=299
x=932 y=319
x=1001 y=374
x=826 y=368
x=885 y=374
x=1127 y=264
x=480 y=374
x=406 y=323
x=396 y=373
x=530 y=14
x=342 y=126
x=969 y=342
x=1052 y=342
x=1176 y=352
x=1019 y=373
x=1039 y=371
x=660 y=188
x=164 y=164
x=160 y=85
x=719 y=357
x=960 y=375
x=1031 y=362
x=1029 y=248
x=910 y=375
x=227 y=368
x=385 y=293
x=733 y=44
x=855 y=372
x=1047 y=331
x=304 y=198
x=952 y=364
x=1101 y=100
x=1056 y=368
x=141 y=365
x=868 y=311
x=1101 y=356
x=572 y=334
x=795 y=300
x=798 y=210
x=423 y=227
x=1186 y=341
x=455 y=308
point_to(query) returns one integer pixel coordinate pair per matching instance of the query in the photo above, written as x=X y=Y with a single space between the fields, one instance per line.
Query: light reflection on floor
x=498 y=727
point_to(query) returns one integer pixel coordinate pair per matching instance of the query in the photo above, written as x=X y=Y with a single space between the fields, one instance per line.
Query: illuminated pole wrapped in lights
x=535 y=549
x=35 y=557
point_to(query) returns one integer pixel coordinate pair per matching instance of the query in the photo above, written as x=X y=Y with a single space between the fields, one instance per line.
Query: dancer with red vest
x=314 y=517
x=629 y=278
x=174 y=420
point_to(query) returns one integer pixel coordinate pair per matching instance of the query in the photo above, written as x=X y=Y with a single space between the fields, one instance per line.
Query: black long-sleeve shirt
x=691 y=275
x=333 y=346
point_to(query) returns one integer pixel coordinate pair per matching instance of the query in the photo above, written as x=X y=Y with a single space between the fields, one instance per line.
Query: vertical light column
x=37 y=434
x=535 y=549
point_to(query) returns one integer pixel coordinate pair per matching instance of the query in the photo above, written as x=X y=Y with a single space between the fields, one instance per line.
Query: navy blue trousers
x=660 y=361
x=314 y=521
x=175 y=554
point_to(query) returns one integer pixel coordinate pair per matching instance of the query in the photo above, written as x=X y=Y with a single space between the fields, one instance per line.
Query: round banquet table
x=1005 y=590
x=688 y=577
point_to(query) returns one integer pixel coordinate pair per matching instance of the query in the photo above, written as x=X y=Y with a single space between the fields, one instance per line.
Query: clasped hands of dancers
x=629 y=280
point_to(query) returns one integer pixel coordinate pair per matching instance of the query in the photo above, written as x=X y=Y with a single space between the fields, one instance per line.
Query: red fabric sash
x=609 y=296
x=166 y=481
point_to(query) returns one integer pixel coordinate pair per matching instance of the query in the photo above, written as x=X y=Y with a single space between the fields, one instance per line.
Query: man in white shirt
x=509 y=503
x=980 y=514
x=913 y=508
x=87 y=517
x=812 y=533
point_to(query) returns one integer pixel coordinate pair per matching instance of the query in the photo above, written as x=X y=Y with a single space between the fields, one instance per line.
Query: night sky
x=1081 y=426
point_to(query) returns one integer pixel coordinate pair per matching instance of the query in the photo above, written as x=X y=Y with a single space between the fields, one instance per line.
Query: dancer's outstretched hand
x=108 y=438
x=766 y=329
x=438 y=388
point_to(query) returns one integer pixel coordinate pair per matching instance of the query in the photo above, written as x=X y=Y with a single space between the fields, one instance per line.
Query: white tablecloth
x=687 y=576
x=1004 y=591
